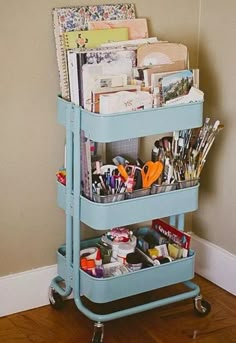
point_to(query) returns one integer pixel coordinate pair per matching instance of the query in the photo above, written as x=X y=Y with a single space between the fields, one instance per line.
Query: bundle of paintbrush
x=184 y=154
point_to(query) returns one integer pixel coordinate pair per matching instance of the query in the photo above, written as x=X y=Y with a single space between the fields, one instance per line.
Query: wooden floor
x=174 y=323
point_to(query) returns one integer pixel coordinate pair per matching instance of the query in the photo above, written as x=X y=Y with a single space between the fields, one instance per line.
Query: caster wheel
x=55 y=299
x=201 y=306
x=97 y=338
x=98 y=333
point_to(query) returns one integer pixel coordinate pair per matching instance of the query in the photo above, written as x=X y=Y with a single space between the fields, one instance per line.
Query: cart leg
x=98 y=332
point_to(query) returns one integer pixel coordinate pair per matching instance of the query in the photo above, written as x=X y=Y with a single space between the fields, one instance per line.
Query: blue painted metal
x=113 y=127
x=99 y=216
x=118 y=287
x=135 y=210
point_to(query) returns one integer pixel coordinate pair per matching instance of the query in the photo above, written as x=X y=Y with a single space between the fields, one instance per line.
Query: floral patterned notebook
x=68 y=19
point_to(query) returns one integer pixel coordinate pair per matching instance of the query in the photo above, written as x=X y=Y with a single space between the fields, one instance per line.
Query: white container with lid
x=123 y=250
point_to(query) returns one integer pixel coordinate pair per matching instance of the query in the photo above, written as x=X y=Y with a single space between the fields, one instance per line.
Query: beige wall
x=214 y=220
x=31 y=149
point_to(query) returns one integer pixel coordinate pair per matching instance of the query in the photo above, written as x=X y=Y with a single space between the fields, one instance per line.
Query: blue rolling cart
x=101 y=216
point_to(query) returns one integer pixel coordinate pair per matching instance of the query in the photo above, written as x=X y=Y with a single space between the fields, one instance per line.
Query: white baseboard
x=214 y=263
x=27 y=290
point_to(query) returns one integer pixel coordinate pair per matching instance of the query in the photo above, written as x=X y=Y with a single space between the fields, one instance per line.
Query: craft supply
x=175 y=251
x=184 y=154
x=106 y=251
x=122 y=251
x=114 y=269
x=153 y=253
x=162 y=250
x=89 y=253
x=147 y=258
x=99 y=270
x=163 y=260
x=151 y=172
x=117 y=236
x=91 y=267
x=134 y=261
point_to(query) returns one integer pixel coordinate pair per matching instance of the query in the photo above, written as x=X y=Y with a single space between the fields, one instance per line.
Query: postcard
x=172 y=86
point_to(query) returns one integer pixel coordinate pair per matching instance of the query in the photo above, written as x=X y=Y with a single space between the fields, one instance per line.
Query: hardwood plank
x=9 y=333
x=171 y=323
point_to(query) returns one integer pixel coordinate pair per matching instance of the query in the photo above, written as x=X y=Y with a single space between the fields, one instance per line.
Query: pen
x=102 y=182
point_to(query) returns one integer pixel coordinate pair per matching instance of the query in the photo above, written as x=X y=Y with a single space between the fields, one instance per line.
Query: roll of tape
x=89 y=253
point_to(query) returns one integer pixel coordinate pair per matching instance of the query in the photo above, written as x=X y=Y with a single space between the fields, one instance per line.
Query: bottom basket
x=117 y=287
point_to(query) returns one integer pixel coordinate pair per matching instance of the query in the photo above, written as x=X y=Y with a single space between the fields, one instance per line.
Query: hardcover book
x=93 y=38
x=68 y=19
x=137 y=28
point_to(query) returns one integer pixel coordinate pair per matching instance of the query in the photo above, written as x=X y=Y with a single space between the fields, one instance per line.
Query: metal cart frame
x=172 y=204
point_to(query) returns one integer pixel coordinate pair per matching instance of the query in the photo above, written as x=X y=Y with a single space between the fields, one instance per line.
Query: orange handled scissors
x=123 y=172
x=150 y=172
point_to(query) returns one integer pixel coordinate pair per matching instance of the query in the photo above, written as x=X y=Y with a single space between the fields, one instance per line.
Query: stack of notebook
x=108 y=64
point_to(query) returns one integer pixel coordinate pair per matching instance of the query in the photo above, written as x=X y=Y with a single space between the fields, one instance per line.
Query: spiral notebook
x=68 y=19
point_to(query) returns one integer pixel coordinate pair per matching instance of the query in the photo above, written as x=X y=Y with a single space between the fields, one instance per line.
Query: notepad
x=137 y=28
x=94 y=38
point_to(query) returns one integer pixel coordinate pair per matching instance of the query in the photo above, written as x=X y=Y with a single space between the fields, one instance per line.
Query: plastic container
x=134 y=261
x=122 y=251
